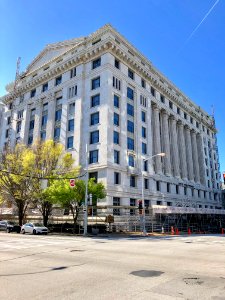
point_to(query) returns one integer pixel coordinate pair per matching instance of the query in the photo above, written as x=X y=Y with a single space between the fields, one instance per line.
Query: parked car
x=34 y=228
x=9 y=226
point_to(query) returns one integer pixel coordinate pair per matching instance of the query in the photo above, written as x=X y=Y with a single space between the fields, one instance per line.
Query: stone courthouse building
x=101 y=91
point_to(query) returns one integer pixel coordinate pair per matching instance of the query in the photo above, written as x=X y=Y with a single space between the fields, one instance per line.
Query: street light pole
x=142 y=189
x=86 y=195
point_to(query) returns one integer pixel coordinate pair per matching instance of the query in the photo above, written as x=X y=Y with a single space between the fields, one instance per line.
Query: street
x=112 y=267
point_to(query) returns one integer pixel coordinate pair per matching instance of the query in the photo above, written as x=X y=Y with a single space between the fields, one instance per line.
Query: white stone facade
x=134 y=101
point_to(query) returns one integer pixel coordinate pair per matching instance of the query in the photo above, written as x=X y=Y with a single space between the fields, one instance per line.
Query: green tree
x=51 y=161
x=61 y=193
x=16 y=181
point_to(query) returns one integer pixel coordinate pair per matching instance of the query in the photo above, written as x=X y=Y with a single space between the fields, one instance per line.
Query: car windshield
x=10 y=223
x=38 y=225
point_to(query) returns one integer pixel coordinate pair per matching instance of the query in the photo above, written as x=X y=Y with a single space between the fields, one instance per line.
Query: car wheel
x=23 y=231
x=34 y=231
x=8 y=230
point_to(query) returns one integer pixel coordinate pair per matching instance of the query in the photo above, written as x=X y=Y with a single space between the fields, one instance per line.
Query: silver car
x=34 y=228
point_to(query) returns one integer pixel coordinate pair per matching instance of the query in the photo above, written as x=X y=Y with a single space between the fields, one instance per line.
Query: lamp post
x=86 y=195
x=142 y=188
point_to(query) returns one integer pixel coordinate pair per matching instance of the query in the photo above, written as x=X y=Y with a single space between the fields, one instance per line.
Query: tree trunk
x=46 y=211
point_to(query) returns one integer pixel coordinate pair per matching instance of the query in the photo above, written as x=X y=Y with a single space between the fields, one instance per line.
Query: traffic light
x=224 y=178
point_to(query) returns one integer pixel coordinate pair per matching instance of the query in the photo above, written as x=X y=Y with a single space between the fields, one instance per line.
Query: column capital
x=179 y=123
x=155 y=106
x=165 y=113
x=186 y=127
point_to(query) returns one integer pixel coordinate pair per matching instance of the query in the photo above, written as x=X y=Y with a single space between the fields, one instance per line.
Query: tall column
x=156 y=139
x=174 y=147
x=182 y=151
x=51 y=119
x=195 y=156
x=166 y=142
x=37 y=120
x=201 y=159
x=189 y=153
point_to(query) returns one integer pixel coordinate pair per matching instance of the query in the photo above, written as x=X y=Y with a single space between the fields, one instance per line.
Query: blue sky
x=158 y=28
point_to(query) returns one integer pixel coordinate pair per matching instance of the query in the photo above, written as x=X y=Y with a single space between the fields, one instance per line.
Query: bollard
x=177 y=231
x=189 y=231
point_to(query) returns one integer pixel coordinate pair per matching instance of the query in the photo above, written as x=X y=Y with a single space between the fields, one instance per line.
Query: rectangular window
x=6 y=133
x=130 y=143
x=116 y=119
x=58 y=80
x=116 y=83
x=144 y=148
x=96 y=63
x=130 y=126
x=116 y=202
x=45 y=107
x=116 y=101
x=185 y=116
x=94 y=137
x=31 y=127
x=116 y=157
x=131 y=160
x=45 y=87
x=93 y=156
x=143 y=116
x=185 y=190
x=116 y=178
x=130 y=109
x=143 y=101
x=95 y=83
x=146 y=183
x=117 y=63
x=130 y=93
x=191 y=120
x=132 y=181
x=152 y=91
x=58 y=115
x=116 y=137
x=57 y=133
x=18 y=126
x=130 y=74
x=177 y=189
x=168 y=187
x=178 y=110
x=71 y=109
x=132 y=203
x=95 y=100
x=73 y=72
x=157 y=186
x=43 y=135
x=170 y=105
x=145 y=165
x=8 y=120
x=44 y=121
x=72 y=91
x=70 y=142
x=33 y=93
x=93 y=175
x=143 y=132
x=143 y=83
x=162 y=98
x=71 y=125
x=20 y=114
x=30 y=139
x=94 y=118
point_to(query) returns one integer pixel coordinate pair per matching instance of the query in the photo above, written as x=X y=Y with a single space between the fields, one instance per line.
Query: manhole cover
x=193 y=281
x=147 y=273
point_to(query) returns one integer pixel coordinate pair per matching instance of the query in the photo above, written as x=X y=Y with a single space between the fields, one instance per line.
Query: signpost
x=72 y=183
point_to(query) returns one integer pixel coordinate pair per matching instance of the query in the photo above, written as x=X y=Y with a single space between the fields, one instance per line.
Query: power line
x=40 y=178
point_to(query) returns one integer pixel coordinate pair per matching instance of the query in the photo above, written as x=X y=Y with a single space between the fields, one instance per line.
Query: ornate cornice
x=131 y=57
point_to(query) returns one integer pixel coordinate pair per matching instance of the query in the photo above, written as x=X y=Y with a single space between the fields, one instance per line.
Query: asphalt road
x=66 y=267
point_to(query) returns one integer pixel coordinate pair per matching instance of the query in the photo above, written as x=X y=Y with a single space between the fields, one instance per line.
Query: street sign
x=72 y=183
